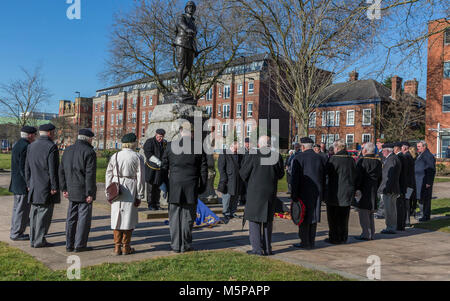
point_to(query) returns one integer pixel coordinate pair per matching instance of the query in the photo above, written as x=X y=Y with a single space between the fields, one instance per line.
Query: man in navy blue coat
x=425 y=168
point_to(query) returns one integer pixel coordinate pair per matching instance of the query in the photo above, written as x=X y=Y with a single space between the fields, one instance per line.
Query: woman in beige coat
x=124 y=211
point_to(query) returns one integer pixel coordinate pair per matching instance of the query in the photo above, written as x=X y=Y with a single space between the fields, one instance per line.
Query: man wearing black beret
x=41 y=173
x=18 y=185
x=77 y=177
x=153 y=149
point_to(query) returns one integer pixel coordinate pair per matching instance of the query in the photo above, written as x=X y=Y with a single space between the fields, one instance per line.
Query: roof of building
x=13 y=120
x=356 y=90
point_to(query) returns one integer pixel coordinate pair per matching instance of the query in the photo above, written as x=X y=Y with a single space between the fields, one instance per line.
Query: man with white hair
x=18 y=185
x=425 y=168
x=77 y=177
x=308 y=179
x=389 y=189
x=41 y=173
x=368 y=169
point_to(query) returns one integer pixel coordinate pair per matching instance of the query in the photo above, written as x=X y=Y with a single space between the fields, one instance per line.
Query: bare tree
x=142 y=44
x=22 y=96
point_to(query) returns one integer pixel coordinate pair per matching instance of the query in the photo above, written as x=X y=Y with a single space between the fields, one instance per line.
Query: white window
x=313 y=138
x=312 y=120
x=324 y=118
x=149 y=116
x=226 y=91
x=447 y=36
x=226 y=111
x=238 y=110
x=143 y=117
x=134 y=103
x=219 y=112
x=224 y=130
x=350 y=117
x=117 y=119
x=144 y=101
x=239 y=89
x=367 y=117
x=338 y=118
x=150 y=100
x=112 y=119
x=209 y=95
x=251 y=87
x=95 y=120
x=133 y=117
x=324 y=138
x=96 y=108
x=349 y=140
x=102 y=107
x=133 y=130
x=330 y=118
x=365 y=138
x=112 y=105
x=111 y=133
x=249 y=109
x=120 y=118
x=209 y=110
x=249 y=130
x=120 y=104
x=102 y=120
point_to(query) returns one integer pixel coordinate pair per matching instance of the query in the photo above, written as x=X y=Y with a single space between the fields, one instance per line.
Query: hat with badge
x=29 y=129
x=129 y=138
x=86 y=132
x=306 y=140
x=47 y=127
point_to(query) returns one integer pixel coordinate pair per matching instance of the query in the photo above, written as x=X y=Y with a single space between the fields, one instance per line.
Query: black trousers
x=307 y=234
x=153 y=195
x=401 y=212
x=338 y=223
x=425 y=202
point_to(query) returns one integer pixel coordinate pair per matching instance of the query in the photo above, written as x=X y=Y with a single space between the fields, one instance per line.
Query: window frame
x=249 y=112
x=370 y=116
x=366 y=134
x=443 y=103
x=347 y=119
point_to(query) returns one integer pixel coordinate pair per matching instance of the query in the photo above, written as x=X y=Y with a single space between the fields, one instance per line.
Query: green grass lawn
x=4 y=191
x=441 y=180
x=5 y=161
x=16 y=265
x=438 y=207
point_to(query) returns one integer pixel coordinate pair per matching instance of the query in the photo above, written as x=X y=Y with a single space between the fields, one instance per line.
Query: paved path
x=413 y=255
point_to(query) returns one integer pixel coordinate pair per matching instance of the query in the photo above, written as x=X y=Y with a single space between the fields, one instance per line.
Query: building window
x=365 y=138
x=312 y=120
x=150 y=100
x=96 y=107
x=102 y=120
x=338 y=118
x=209 y=110
x=143 y=117
x=224 y=130
x=112 y=105
x=447 y=36
x=133 y=118
x=251 y=87
x=134 y=103
x=226 y=111
x=239 y=89
x=249 y=130
x=238 y=110
x=120 y=104
x=447 y=69
x=351 y=117
x=144 y=101
x=446 y=103
x=102 y=107
x=249 y=109
x=444 y=146
x=117 y=119
x=209 y=95
x=149 y=116
x=349 y=140
x=95 y=120
x=313 y=138
x=330 y=118
x=367 y=117
x=226 y=92
x=219 y=112
x=112 y=119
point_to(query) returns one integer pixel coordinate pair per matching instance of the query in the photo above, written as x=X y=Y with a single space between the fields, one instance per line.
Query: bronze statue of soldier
x=185 y=45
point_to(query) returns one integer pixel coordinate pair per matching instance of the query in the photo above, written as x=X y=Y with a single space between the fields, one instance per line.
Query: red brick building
x=76 y=115
x=437 y=131
x=128 y=107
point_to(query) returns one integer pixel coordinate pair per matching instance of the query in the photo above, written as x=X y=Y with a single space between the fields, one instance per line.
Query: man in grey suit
x=18 y=186
x=389 y=189
x=41 y=173
x=425 y=169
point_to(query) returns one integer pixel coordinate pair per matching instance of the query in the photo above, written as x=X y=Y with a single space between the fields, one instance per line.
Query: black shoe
x=44 y=245
x=379 y=217
x=250 y=252
x=176 y=251
x=22 y=237
x=361 y=238
x=225 y=219
x=423 y=219
x=84 y=249
x=302 y=246
x=387 y=232
x=268 y=253
x=188 y=250
x=236 y=216
x=69 y=250
x=327 y=240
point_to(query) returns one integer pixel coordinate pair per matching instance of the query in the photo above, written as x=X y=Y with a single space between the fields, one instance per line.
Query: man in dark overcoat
x=230 y=181
x=77 y=178
x=403 y=182
x=41 y=174
x=368 y=170
x=341 y=172
x=262 y=172
x=307 y=183
x=389 y=189
x=410 y=182
x=425 y=168
x=18 y=186
x=188 y=177
x=153 y=149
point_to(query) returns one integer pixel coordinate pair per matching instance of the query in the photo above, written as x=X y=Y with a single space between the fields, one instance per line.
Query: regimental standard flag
x=205 y=217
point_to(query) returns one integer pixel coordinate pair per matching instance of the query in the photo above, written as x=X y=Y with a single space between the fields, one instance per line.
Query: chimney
x=353 y=76
x=396 y=87
x=411 y=87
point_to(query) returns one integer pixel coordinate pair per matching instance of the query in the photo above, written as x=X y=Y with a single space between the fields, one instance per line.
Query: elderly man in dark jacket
x=188 y=177
x=41 y=174
x=341 y=171
x=153 y=149
x=231 y=184
x=77 y=178
x=308 y=178
x=425 y=168
x=18 y=186
x=262 y=172
x=368 y=170
x=389 y=189
x=403 y=182
x=410 y=181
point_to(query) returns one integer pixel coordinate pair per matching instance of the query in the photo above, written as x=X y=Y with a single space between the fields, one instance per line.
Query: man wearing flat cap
x=389 y=189
x=18 y=185
x=41 y=173
x=77 y=178
x=307 y=185
x=153 y=149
